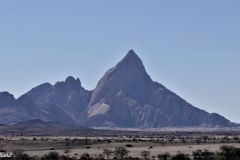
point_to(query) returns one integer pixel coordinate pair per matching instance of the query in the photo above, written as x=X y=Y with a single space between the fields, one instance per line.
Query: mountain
x=65 y=102
x=9 y=110
x=125 y=96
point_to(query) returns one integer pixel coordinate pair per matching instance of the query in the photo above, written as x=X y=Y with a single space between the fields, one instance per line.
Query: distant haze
x=190 y=47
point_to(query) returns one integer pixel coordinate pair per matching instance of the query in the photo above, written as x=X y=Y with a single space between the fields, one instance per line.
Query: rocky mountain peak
x=6 y=99
x=131 y=62
x=70 y=84
x=71 y=81
x=131 y=55
x=128 y=76
x=7 y=95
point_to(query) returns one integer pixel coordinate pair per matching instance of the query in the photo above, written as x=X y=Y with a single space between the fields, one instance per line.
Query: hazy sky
x=193 y=48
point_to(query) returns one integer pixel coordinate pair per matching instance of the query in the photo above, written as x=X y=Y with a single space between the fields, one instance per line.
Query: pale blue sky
x=191 y=47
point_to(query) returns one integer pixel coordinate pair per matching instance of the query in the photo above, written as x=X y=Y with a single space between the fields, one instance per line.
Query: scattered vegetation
x=120 y=153
x=68 y=147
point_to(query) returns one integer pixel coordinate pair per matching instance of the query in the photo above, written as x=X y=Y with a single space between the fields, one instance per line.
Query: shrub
x=51 y=156
x=121 y=153
x=85 y=156
x=180 y=156
x=107 y=153
x=145 y=155
x=229 y=153
x=203 y=155
x=165 y=156
x=129 y=145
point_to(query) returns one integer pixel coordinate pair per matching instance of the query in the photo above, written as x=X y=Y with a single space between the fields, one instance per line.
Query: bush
x=107 y=153
x=180 y=156
x=229 y=153
x=129 y=145
x=145 y=155
x=133 y=158
x=85 y=156
x=203 y=155
x=51 y=156
x=165 y=156
x=121 y=153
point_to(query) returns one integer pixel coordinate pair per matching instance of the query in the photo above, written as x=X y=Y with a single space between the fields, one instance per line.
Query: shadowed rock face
x=125 y=96
x=6 y=99
x=9 y=112
x=64 y=102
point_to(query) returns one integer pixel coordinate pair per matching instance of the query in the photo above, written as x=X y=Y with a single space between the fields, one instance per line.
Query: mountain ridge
x=125 y=96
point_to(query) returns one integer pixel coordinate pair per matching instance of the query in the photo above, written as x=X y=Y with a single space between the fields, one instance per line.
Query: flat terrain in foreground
x=136 y=150
x=156 y=144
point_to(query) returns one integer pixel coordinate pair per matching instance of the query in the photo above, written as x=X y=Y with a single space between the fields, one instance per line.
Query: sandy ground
x=136 y=150
x=41 y=147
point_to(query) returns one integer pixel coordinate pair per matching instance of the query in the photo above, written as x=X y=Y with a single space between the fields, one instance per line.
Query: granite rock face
x=125 y=96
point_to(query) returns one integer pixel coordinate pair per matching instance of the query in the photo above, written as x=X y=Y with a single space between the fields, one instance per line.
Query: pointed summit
x=128 y=77
x=131 y=60
x=131 y=53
